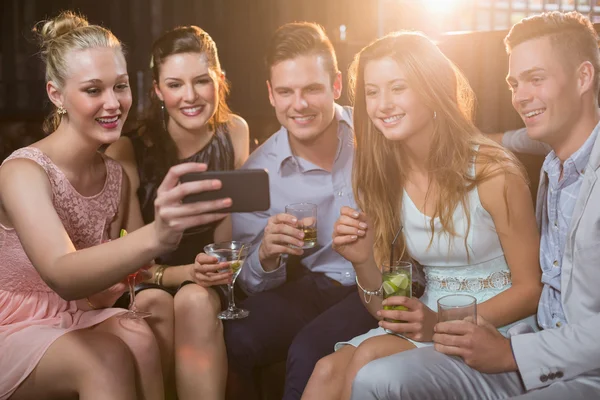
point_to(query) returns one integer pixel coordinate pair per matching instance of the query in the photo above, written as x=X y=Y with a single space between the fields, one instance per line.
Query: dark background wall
x=241 y=29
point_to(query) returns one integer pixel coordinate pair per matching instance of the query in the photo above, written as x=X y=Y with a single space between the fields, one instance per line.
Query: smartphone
x=248 y=189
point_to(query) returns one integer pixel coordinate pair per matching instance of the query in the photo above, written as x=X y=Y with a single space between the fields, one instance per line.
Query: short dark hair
x=301 y=38
x=572 y=34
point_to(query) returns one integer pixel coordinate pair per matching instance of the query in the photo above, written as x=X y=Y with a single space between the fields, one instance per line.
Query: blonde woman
x=462 y=203
x=60 y=201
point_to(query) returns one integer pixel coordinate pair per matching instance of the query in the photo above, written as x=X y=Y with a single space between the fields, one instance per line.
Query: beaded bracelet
x=369 y=293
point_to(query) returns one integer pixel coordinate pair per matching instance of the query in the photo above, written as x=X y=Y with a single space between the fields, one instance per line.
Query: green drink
x=397 y=281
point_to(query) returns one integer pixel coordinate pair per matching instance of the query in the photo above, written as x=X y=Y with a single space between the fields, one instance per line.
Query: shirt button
x=558 y=324
x=559 y=374
x=551 y=376
x=340 y=194
x=582 y=171
x=543 y=378
x=555 y=263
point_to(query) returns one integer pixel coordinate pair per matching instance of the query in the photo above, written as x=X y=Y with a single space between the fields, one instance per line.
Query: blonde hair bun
x=62 y=35
x=65 y=22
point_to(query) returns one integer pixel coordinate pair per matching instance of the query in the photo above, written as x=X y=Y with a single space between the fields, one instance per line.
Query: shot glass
x=306 y=213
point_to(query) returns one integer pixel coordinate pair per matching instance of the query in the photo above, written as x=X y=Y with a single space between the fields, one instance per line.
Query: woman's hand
x=172 y=216
x=352 y=236
x=414 y=319
x=108 y=297
x=205 y=271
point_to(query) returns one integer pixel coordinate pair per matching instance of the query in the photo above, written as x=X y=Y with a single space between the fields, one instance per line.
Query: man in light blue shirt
x=301 y=302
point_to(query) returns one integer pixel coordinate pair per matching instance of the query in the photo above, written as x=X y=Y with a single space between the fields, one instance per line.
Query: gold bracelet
x=89 y=303
x=158 y=274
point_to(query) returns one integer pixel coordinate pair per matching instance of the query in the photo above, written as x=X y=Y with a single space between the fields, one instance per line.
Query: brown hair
x=378 y=173
x=299 y=39
x=65 y=33
x=192 y=39
x=572 y=34
x=182 y=39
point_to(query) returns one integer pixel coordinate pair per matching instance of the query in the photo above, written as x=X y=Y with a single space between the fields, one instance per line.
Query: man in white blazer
x=554 y=76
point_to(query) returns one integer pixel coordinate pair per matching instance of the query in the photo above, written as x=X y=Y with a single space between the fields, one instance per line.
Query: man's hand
x=280 y=233
x=481 y=346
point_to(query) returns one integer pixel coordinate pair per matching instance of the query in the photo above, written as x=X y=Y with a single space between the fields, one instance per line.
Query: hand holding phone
x=248 y=189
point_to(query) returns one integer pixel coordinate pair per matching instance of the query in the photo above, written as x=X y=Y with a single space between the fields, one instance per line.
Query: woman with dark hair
x=188 y=121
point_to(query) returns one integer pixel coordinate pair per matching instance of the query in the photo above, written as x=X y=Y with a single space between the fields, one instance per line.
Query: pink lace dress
x=32 y=316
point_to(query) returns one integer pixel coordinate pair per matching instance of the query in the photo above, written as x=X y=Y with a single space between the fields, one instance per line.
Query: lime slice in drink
x=389 y=288
x=401 y=281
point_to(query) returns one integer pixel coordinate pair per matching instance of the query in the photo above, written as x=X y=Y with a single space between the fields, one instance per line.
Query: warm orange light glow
x=444 y=6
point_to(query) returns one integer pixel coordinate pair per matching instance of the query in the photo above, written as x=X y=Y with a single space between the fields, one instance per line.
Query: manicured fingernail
x=216 y=183
x=379 y=313
x=354 y=237
x=227 y=202
x=363 y=225
x=355 y=215
x=361 y=233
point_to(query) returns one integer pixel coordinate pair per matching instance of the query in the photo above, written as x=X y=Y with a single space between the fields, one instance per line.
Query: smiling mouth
x=393 y=119
x=534 y=113
x=192 y=111
x=108 y=120
x=303 y=119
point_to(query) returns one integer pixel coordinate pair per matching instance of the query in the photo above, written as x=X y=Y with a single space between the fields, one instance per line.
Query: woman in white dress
x=461 y=201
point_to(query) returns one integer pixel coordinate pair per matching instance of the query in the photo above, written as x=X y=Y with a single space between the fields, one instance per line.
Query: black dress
x=218 y=155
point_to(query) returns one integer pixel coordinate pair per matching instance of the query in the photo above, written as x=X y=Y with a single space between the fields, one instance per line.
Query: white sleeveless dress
x=449 y=268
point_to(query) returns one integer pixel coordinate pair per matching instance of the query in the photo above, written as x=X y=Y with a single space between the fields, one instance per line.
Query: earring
x=61 y=111
x=434 y=115
x=163 y=115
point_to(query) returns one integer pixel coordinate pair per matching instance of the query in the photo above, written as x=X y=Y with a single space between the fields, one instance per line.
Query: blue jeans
x=299 y=322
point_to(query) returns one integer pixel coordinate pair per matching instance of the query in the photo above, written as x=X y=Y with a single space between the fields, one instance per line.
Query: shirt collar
x=283 y=150
x=580 y=158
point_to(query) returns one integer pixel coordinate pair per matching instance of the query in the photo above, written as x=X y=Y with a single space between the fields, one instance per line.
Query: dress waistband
x=492 y=274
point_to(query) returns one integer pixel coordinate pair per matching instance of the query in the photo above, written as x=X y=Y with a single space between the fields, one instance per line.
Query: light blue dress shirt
x=560 y=202
x=295 y=180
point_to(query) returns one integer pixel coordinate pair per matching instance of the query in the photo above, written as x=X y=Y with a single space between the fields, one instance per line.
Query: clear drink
x=457 y=307
x=235 y=254
x=235 y=265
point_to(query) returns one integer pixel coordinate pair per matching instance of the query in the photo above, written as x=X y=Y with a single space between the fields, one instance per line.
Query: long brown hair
x=182 y=39
x=379 y=173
